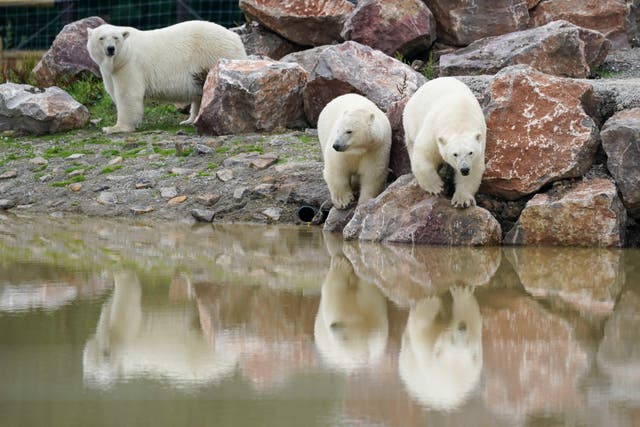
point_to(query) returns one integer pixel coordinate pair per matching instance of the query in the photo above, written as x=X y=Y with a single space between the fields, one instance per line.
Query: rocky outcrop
x=404 y=213
x=251 y=95
x=68 y=57
x=30 y=110
x=354 y=68
x=304 y=22
x=606 y=16
x=559 y=48
x=406 y=27
x=589 y=280
x=461 y=22
x=588 y=213
x=261 y=41
x=620 y=135
x=538 y=132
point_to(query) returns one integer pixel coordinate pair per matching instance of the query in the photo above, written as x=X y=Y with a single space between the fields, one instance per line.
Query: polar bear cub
x=168 y=64
x=355 y=137
x=443 y=122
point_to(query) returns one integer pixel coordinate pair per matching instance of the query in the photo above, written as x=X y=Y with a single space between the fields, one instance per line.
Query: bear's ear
x=125 y=34
x=89 y=31
x=442 y=141
x=478 y=136
x=372 y=117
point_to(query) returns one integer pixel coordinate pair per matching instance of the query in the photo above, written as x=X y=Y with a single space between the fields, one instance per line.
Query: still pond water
x=114 y=323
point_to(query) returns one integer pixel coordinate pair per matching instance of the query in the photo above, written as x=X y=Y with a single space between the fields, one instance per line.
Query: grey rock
x=203 y=215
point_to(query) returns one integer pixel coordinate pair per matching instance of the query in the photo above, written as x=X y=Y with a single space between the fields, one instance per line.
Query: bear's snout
x=339 y=147
x=464 y=171
x=111 y=50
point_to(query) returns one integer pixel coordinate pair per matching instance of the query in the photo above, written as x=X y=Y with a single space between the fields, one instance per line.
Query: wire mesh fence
x=32 y=25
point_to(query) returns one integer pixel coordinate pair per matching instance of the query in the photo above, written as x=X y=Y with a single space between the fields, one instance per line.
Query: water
x=120 y=324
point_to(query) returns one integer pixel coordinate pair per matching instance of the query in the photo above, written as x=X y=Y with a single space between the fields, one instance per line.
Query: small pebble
x=9 y=174
x=209 y=199
x=168 y=192
x=107 y=198
x=272 y=213
x=115 y=161
x=140 y=210
x=177 y=200
x=75 y=187
x=203 y=215
x=224 y=175
x=75 y=156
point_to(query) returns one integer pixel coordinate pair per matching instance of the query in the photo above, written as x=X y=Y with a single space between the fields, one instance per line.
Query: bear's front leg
x=371 y=183
x=339 y=184
x=426 y=174
x=193 y=113
x=466 y=188
x=130 y=108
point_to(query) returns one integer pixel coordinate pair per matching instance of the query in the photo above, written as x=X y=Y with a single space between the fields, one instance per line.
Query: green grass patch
x=134 y=152
x=110 y=169
x=73 y=168
x=212 y=166
x=204 y=173
x=164 y=151
x=110 y=153
x=78 y=178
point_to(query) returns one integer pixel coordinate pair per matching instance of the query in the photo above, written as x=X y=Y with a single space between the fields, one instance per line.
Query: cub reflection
x=351 y=326
x=441 y=352
x=154 y=342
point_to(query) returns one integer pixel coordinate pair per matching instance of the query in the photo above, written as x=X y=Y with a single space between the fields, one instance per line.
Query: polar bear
x=443 y=121
x=355 y=138
x=440 y=358
x=351 y=326
x=168 y=64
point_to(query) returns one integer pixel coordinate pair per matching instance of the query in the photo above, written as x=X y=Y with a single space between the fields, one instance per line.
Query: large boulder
x=606 y=16
x=351 y=67
x=261 y=41
x=405 y=213
x=406 y=27
x=251 y=95
x=559 y=48
x=68 y=56
x=620 y=135
x=588 y=213
x=461 y=22
x=304 y=22
x=537 y=132
x=30 y=110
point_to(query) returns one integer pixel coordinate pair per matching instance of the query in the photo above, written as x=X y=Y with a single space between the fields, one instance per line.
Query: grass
x=110 y=169
x=78 y=178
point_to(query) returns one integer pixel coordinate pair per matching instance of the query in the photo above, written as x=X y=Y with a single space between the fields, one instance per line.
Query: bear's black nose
x=111 y=50
x=339 y=147
x=464 y=171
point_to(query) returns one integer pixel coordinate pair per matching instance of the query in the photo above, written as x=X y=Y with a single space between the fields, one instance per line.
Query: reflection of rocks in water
x=270 y=329
x=49 y=296
x=590 y=280
x=151 y=342
x=440 y=358
x=619 y=352
x=351 y=327
x=532 y=359
x=408 y=273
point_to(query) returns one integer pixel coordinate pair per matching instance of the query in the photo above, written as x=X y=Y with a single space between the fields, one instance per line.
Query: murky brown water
x=112 y=323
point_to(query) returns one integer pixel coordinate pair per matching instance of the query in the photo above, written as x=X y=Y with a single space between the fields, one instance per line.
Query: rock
x=354 y=68
x=141 y=210
x=67 y=58
x=75 y=156
x=609 y=17
x=75 y=187
x=307 y=59
x=144 y=183
x=203 y=215
x=260 y=41
x=337 y=220
x=461 y=22
x=180 y=171
x=399 y=161
x=619 y=354
x=6 y=204
x=224 y=175
x=241 y=96
x=238 y=193
x=614 y=95
x=176 y=200
x=31 y=110
x=263 y=161
x=9 y=174
x=272 y=213
x=115 y=161
x=406 y=27
x=404 y=213
x=620 y=135
x=168 y=192
x=537 y=132
x=76 y=172
x=559 y=48
x=39 y=161
x=264 y=189
x=533 y=358
x=590 y=280
x=107 y=198
x=588 y=213
x=208 y=199
x=307 y=22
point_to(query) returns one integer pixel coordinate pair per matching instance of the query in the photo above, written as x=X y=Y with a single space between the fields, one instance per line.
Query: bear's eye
x=455 y=154
x=349 y=132
x=471 y=153
x=101 y=38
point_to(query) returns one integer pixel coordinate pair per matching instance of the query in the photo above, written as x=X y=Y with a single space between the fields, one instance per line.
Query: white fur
x=167 y=64
x=357 y=126
x=443 y=122
x=440 y=360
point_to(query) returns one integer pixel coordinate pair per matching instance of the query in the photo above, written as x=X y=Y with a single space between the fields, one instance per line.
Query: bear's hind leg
x=193 y=113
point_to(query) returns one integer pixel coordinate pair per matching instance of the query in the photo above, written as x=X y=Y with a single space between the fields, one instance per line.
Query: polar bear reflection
x=155 y=342
x=441 y=353
x=351 y=327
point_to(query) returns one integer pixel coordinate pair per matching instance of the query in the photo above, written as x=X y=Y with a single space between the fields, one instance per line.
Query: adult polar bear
x=168 y=64
x=443 y=121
